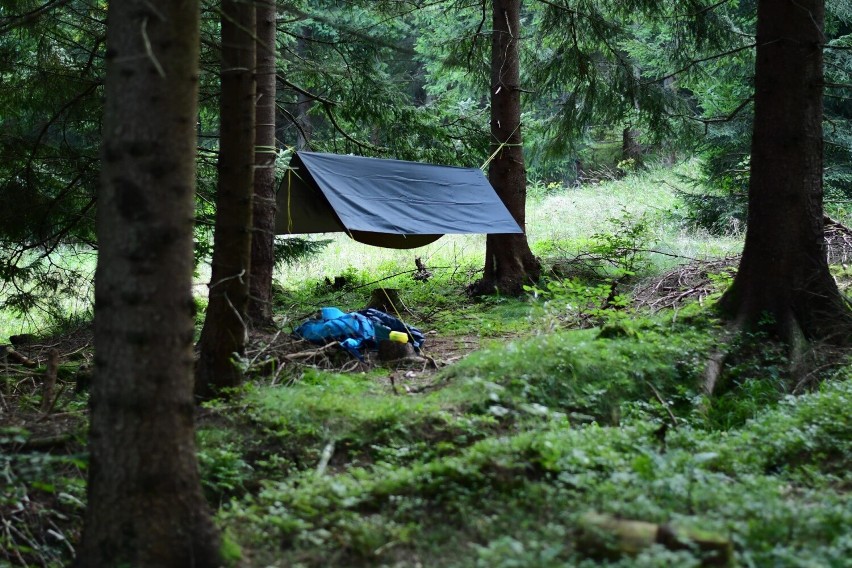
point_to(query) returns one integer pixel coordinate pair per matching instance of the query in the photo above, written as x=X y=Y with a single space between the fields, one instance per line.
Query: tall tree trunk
x=225 y=332
x=509 y=263
x=783 y=284
x=631 y=148
x=263 y=217
x=145 y=507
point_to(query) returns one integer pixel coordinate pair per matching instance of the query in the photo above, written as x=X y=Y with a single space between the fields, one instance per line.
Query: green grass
x=498 y=467
x=568 y=216
x=497 y=462
x=558 y=225
x=64 y=299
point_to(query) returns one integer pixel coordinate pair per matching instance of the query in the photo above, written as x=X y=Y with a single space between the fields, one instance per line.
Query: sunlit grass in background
x=560 y=222
x=72 y=303
x=566 y=216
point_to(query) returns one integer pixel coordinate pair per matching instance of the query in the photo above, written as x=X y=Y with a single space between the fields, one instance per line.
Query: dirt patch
x=281 y=357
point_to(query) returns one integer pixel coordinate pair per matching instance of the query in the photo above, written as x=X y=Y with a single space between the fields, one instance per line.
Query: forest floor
x=524 y=447
x=557 y=429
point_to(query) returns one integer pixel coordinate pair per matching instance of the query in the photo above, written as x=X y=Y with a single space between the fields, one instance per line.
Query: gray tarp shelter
x=388 y=203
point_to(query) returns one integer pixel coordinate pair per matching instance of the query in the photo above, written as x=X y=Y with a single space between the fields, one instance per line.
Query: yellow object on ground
x=399 y=336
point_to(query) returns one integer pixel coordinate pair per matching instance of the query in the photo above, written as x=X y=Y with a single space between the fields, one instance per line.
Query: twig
x=39 y=443
x=149 y=51
x=424 y=388
x=10 y=539
x=225 y=279
x=57 y=534
x=267 y=346
x=311 y=352
x=664 y=403
x=56 y=398
x=277 y=374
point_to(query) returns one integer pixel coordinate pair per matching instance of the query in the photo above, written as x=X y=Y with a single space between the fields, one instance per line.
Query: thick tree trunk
x=783 y=284
x=509 y=263
x=224 y=333
x=145 y=507
x=263 y=236
x=631 y=149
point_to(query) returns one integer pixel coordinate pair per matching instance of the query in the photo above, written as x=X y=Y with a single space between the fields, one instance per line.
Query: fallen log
x=12 y=356
x=606 y=535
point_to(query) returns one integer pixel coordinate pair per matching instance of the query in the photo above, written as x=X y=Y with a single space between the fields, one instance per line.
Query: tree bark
x=145 y=507
x=509 y=263
x=263 y=215
x=631 y=149
x=783 y=284
x=225 y=333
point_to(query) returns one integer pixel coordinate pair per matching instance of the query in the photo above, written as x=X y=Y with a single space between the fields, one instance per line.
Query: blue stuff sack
x=351 y=330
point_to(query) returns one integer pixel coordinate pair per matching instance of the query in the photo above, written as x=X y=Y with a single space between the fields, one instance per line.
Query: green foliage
x=232 y=554
x=617 y=255
x=43 y=495
x=608 y=259
x=625 y=248
x=587 y=374
x=360 y=61
x=224 y=470
x=575 y=304
x=51 y=74
x=534 y=486
x=289 y=250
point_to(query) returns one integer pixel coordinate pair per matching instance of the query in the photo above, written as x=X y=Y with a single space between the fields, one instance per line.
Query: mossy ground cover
x=500 y=465
x=566 y=406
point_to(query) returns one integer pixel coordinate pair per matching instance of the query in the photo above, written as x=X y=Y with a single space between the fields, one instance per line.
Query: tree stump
x=394 y=351
x=386 y=300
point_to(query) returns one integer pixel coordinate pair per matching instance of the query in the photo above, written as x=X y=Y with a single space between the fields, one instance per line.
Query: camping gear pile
x=356 y=331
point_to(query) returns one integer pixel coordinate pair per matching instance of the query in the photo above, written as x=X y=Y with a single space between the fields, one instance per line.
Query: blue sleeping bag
x=352 y=331
x=356 y=329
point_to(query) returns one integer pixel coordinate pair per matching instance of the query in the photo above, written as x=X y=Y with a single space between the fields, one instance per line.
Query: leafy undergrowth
x=500 y=459
x=439 y=303
x=591 y=411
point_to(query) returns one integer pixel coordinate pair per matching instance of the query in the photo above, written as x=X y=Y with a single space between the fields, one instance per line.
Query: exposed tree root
x=713 y=371
x=805 y=363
